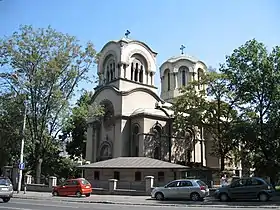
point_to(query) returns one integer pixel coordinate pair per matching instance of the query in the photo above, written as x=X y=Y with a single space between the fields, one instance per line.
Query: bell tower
x=177 y=72
x=127 y=64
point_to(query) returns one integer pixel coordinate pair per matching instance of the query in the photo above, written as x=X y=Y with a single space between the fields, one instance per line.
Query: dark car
x=246 y=188
x=6 y=189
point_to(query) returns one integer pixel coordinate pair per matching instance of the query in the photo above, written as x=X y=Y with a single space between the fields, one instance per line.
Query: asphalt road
x=26 y=204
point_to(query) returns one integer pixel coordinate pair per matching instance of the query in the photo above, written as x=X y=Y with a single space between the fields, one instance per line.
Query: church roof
x=183 y=57
x=151 y=111
x=133 y=162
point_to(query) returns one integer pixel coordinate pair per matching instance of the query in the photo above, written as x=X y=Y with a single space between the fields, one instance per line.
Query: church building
x=137 y=121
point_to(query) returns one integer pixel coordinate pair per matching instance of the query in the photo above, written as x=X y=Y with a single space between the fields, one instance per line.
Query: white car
x=192 y=189
x=6 y=189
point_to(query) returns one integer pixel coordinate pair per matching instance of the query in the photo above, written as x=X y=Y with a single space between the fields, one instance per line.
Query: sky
x=210 y=29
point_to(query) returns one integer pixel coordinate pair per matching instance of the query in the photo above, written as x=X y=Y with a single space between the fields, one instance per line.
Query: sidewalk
x=147 y=201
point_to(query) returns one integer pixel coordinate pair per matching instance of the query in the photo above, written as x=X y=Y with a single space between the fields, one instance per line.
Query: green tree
x=46 y=66
x=76 y=126
x=254 y=75
x=213 y=109
x=11 y=120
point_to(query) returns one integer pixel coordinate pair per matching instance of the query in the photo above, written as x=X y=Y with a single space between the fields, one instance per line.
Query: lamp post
x=21 y=164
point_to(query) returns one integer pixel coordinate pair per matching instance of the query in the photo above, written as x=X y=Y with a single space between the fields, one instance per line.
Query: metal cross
x=182 y=49
x=127 y=33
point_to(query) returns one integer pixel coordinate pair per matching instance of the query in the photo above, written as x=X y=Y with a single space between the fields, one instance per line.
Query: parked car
x=192 y=189
x=246 y=188
x=78 y=187
x=6 y=189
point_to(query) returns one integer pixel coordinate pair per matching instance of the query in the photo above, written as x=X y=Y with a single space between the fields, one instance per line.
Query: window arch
x=109 y=68
x=138 y=66
x=199 y=77
x=157 y=130
x=167 y=79
x=105 y=152
x=135 y=140
x=184 y=75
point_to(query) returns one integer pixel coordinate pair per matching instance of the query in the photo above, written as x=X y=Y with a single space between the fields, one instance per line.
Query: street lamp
x=21 y=164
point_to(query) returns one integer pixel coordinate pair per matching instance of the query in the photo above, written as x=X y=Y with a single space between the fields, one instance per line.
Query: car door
x=184 y=189
x=171 y=189
x=237 y=189
x=253 y=187
x=63 y=189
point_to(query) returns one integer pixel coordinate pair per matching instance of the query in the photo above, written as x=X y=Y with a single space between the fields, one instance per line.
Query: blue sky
x=210 y=29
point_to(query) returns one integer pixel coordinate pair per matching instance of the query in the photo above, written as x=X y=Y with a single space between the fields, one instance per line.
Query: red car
x=76 y=187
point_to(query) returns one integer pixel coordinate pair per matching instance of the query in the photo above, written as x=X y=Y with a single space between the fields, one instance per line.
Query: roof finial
x=182 y=49
x=127 y=33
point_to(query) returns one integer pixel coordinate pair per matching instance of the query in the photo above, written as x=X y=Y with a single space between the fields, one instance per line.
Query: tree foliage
x=46 y=66
x=213 y=109
x=76 y=126
x=254 y=75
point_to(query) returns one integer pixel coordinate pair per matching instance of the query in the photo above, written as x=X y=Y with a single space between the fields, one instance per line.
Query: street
x=30 y=204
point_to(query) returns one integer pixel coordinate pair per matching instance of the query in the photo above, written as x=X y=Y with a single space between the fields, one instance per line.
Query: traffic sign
x=21 y=166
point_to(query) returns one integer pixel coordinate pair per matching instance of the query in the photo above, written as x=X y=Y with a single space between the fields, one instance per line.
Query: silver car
x=192 y=189
x=6 y=189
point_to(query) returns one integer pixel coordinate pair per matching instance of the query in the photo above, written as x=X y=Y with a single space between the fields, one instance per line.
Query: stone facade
x=137 y=121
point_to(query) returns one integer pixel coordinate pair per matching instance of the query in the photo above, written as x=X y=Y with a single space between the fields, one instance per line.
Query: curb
x=152 y=204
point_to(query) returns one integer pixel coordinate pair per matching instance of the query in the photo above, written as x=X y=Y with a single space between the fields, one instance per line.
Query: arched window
x=108 y=118
x=138 y=66
x=131 y=71
x=157 y=130
x=109 y=68
x=184 y=74
x=135 y=141
x=199 y=77
x=105 y=152
x=167 y=79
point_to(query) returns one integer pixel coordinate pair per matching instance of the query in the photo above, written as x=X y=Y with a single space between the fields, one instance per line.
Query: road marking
x=13 y=208
x=58 y=205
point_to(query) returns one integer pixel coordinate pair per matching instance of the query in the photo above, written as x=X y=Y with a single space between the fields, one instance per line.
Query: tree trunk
x=38 y=170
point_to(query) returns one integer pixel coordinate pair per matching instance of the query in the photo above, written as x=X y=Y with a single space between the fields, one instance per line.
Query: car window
x=239 y=183
x=254 y=182
x=4 y=181
x=173 y=184
x=186 y=184
x=200 y=183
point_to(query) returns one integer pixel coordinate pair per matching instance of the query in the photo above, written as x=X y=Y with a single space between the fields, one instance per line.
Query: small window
x=254 y=182
x=96 y=175
x=117 y=175
x=74 y=182
x=138 y=176
x=161 y=176
x=173 y=184
x=186 y=184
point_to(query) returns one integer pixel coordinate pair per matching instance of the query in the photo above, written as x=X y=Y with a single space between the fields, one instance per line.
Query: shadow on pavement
x=211 y=201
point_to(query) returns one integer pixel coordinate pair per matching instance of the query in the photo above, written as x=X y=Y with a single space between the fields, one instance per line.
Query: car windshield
x=84 y=182
x=201 y=183
x=4 y=181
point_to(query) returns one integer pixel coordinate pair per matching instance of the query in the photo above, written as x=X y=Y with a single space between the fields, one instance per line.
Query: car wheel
x=6 y=200
x=263 y=197
x=78 y=194
x=87 y=195
x=55 y=193
x=224 y=197
x=159 y=196
x=195 y=196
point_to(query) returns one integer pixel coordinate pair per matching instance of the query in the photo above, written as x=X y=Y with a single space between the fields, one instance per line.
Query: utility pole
x=21 y=164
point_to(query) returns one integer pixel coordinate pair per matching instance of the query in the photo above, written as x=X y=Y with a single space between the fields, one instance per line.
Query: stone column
x=28 y=179
x=149 y=183
x=112 y=185
x=89 y=142
x=175 y=80
x=52 y=181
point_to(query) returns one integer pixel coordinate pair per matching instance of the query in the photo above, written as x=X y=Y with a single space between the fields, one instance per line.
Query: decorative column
x=89 y=144
x=52 y=181
x=175 y=74
x=149 y=181
x=112 y=185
